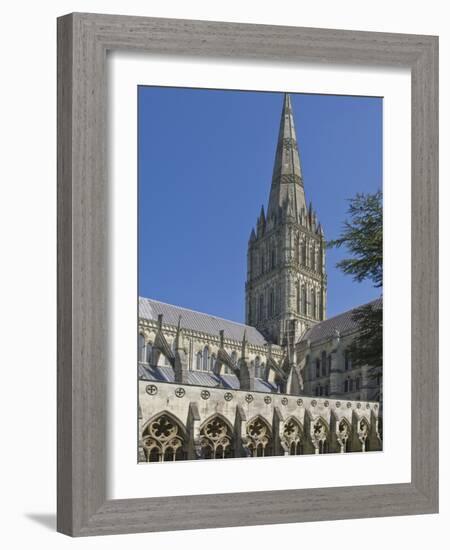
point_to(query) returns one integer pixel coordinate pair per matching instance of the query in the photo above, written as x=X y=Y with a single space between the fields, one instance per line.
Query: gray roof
x=201 y=322
x=342 y=323
x=196 y=378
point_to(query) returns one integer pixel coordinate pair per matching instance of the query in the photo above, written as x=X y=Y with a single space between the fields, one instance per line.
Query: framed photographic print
x=247 y=271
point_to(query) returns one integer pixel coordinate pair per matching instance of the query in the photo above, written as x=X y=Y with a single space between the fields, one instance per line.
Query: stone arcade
x=283 y=384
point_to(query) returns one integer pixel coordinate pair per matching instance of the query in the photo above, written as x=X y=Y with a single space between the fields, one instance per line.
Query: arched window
x=319 y=436
x=199 y=360
x=141 y=351
x=261 y=307
x=260 y=437
x=262 y=263
x=348 y=360
x=271 y=303
x=324 y=363
x=213 y=361
x=163 y=439
x=329 y=364
x=149 y=353
x=296 y=249
x=327 y=390
x=358 y=383
x=317 y=368
x=346 y=386
x=205 y=358
x=363 y=433
x=317 y=392
x=258 y=366
x=313 y=303
x=313 y=258
x=343 y=434
x=216 y=439
x=293 y=437
x=350 y=385
x=304 y=310
x=303 y=253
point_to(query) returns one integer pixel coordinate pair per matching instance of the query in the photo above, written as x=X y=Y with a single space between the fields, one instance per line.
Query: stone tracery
x=259 y=437
x=363 y=432
x=163 y=440
x=343 y=433
x=216 y=439
x=319 y=436
x=292 y=439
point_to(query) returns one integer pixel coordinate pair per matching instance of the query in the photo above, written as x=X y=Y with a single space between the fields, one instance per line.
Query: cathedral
x=281 y=384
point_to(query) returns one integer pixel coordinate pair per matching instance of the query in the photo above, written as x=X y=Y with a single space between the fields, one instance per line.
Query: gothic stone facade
x=281 y=384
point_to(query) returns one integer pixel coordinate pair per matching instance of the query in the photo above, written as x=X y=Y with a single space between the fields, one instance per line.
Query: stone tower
x=286 y=280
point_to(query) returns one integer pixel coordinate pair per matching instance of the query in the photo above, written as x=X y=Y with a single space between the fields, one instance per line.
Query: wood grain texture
x=83 y=40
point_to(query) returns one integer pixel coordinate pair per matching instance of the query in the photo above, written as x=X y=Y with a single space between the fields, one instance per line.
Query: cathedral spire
x=287 y=179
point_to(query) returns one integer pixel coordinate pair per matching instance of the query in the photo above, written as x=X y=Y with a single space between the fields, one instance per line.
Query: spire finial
x=287 y=176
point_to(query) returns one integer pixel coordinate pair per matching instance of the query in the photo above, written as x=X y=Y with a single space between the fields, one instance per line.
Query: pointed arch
x=363 y=429
x=205 y=358
x=303 y=252
x=164 y=438
x=257 y=366
x=343 y=435
x=320 y=433
x=293 y=436
x=216 y=437
x=297 y=249
x=149 y=353
x=271 y=302
x=259 y=435
x=303 y=300
x=313 y=303
x=141 y=348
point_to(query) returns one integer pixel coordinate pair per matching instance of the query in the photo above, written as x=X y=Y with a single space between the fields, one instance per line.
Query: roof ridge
x=199 y=312
x=349 y=311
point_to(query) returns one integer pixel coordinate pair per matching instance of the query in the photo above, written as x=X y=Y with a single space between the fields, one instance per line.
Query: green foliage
x=363 y=237
x=367 y=347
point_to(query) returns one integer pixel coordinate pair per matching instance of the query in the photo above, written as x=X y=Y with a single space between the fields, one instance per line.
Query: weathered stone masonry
x=284 y=383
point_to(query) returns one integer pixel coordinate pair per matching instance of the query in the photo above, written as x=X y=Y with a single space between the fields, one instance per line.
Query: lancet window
x=205 y=364
x=141 y=354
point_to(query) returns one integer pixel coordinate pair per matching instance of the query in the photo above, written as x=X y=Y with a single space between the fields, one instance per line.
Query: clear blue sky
x=205 y=167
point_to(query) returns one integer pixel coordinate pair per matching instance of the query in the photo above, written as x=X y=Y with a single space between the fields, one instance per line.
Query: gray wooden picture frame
x=83 y=41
